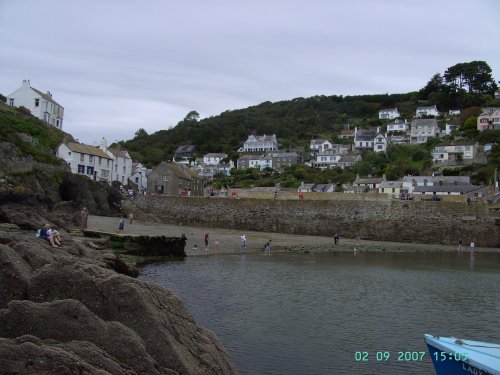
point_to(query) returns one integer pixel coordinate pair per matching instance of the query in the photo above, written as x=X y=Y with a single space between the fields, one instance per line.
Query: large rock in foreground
x=66 y=311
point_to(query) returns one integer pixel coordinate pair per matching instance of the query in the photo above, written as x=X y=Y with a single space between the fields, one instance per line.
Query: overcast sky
x=120 y=65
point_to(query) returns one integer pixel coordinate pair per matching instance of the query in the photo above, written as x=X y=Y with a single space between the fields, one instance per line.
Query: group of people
x=472 y=246
x=47 y=232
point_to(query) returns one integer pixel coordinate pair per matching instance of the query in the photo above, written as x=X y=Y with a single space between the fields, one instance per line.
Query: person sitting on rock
x=52 y=232
x=44 y=233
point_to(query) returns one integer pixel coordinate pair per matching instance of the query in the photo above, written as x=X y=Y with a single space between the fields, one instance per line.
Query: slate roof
x=46 y=96
x=391 y=184
x=120 y=153
x=450 y=180
x=365 y=181
x=462 y=189
x=86 y=149
x=424 y=122
x=366 y=135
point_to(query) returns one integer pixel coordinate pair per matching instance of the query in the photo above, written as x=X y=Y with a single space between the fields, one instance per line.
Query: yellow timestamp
x=401 y=356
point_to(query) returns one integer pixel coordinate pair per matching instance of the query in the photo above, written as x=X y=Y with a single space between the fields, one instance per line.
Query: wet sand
x=229 y=239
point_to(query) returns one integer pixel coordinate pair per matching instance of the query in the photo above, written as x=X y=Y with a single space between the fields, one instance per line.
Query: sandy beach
x=229 y=239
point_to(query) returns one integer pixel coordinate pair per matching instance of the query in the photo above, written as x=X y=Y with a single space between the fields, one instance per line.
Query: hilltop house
x=39 y=104
x=213 y=158
x=388 y=114
x=398 y=125
x=175 y=179
x=326 y=159
x=450 y=153
x=422 y=129
x=259 y=143
x=370 y=139
x=260 y=162
x=87 y=160
x=122 y=162
x=427 y=111
x=281 y=160
x=319 y=145
x=183 y=153
x=489 y=119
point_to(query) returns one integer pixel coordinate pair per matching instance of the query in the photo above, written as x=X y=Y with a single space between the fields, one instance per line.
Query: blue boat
x=452 y=356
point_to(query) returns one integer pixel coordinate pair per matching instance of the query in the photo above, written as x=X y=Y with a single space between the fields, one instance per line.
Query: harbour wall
x=371 y=219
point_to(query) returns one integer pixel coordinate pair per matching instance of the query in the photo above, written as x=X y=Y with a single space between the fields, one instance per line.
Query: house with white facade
x=326 y=159
x=364 y=138
x=213 y=158
x=380 y=143
x=259 y=143
x=427 y=111
x=366 y=185
x=319 y=145
x=41 y=105
x=489 y=119
x=348 y=160
x=398 y=125
x=454 y=112
x=423 y=129
x=451 y=153
x=388 y=114
x=87 y=160
x=140 y=176
x=122 y=163
x=260 y=162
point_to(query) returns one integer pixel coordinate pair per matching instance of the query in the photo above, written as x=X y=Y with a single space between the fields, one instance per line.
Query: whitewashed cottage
x=41 y=105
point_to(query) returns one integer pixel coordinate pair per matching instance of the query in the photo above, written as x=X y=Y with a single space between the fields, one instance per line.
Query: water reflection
x=310 y=313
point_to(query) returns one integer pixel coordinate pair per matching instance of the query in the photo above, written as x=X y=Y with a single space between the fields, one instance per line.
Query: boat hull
x=452 y=367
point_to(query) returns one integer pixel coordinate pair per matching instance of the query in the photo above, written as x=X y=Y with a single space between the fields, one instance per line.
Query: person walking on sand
x=459 y=245
x=130 y=217
x=243 y=240
x=84 y=215
x=267 y=248
x=472 y=247
x=206 y=241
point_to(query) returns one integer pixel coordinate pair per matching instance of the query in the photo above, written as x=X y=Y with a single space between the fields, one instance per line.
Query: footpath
x=229 y=239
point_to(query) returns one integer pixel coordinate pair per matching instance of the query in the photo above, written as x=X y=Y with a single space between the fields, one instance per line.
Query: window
x=69 y=152
x=91 y=159
x=82 y=158
x=164 y=178
x=81 y=168
x=124 y=169
x=137 y=180
x=90 y=170
x=11 y=102
x=100 y=160
x=123 y=179
x=37 y=102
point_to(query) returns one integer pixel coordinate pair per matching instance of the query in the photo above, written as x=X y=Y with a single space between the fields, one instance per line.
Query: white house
x=388 y=114
x=427 y=111
x=122 y=163
x=364 y=139
x=319 y=145
x=213 y=158
x=39 y=104
x=452 y=152
x=87 y=160
x=140 y=176
x=260 y=162
x=326 y=159
x=422 y=129
x=398 y=125
x=454 y=112
x=257 y=143
x=380 y=143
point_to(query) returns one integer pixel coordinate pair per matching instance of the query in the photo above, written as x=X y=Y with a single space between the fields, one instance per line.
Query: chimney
x=26 y=82
x=49 y=94
x=104 y=144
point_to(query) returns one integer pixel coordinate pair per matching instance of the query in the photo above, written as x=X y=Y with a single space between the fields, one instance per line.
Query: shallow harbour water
x=299 y=314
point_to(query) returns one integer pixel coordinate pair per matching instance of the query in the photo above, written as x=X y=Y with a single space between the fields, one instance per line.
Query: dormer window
x=425 y=182
x=441 y=183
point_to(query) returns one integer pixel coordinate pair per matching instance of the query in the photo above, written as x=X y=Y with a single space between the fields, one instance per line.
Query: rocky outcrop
x=67 y=311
